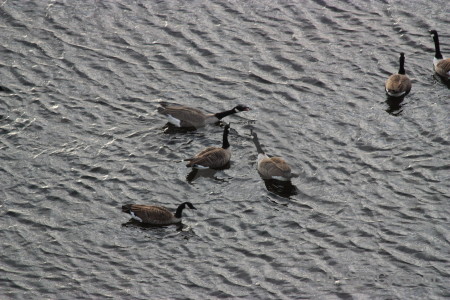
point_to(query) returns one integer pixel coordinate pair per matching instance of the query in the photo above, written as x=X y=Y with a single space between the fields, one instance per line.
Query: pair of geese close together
x=209 y=158
x=399 y=85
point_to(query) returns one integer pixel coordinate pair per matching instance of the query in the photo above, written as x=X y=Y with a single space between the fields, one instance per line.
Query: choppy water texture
x=367 y=216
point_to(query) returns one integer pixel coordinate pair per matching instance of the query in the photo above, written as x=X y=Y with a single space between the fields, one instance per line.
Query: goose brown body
x=155 y=215
x=184 y=116
x=271 y=167
x=442 y=67
x=213 y=157
x=398 y=85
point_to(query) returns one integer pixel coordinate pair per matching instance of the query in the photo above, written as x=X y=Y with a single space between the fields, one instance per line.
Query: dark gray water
x=367 y=216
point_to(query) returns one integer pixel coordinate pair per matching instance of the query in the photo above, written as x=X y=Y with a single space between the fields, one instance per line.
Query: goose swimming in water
x=441 y=64
x=155 y=215
x=183 y=116
x=271 y=167
x=213 y=157
x=398 y=85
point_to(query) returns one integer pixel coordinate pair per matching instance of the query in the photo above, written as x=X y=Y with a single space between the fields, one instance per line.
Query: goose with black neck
x=188 y=117
x=155 y=215
x=213 y=157
x=441 y=64
x=271 y=167
x=398 y=85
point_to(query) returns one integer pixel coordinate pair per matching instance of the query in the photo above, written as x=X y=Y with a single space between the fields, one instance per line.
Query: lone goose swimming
x=155 y=215
x=398 y=85
x=271 y=167
x=183 y=116
x=213 y=157
x=441 y=64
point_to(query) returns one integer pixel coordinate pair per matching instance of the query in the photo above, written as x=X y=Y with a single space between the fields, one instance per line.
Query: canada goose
x=213 y=157
x=183 y=116
x=155 y=215
x=441 y=64
x=271 y=167
x=398 y=85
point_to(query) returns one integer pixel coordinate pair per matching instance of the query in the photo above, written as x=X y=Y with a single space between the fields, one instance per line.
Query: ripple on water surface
x=366 y=215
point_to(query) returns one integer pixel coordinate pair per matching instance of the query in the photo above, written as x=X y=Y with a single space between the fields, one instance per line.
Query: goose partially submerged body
x=183 y=116
x=398 y=85
x=441 y=64
x=213 y=157
x=155 y=215
x=271 y=167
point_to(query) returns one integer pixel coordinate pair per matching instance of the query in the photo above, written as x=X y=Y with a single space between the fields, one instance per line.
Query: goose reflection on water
x=441 y=80
x=163 y=231
x=284 y=189
x=395 y=105
x=144 y=226
x=194 y=174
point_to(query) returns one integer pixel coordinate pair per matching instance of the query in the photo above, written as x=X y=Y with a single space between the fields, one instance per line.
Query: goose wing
x=274 y=167
x=187 y=115
x=211 y=157
x=206 y=150
x=443 y=67
x=201 y=153
x=150 y=214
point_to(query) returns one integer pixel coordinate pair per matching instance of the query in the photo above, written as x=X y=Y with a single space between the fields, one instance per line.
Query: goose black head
x=433 y=32
x=189 y=204
x=241 y=107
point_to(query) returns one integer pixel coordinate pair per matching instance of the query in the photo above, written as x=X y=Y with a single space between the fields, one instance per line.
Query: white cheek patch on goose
x=174 y=121
x=135 y=217
x=200 y=167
